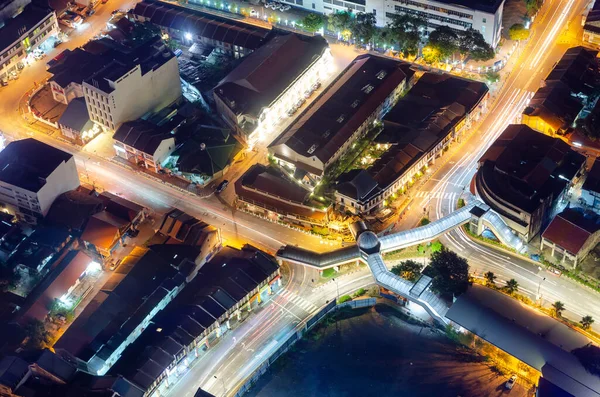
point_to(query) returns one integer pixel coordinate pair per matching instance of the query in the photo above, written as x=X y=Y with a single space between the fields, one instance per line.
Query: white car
x=511 y=382
x=285 y=7
x=253 y=12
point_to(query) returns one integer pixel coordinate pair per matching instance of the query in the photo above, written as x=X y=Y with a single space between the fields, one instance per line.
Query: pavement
x=237 y=357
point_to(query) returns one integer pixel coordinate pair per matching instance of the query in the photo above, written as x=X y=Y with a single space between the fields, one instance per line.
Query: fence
x=296 y=335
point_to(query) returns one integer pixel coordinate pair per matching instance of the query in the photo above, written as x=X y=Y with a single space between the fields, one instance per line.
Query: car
x=300 y=102
x=103 y=1
x=291 y=112
x=222 y=186
x=90 y=12
x=316 y=86
x=307 y=94
x=285 y=7
x=511 y=382
x=3 y=83
x=253 y=12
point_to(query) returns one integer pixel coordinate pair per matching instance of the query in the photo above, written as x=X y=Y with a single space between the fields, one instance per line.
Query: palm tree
x=490 y=279
x=512 y=286
x=586 y=322
x=558 y=307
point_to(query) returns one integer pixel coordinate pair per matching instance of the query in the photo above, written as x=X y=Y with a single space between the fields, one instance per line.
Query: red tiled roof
x=566 y=234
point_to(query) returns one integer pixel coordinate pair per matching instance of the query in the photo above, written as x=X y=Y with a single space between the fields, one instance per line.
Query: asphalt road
x=232 y=359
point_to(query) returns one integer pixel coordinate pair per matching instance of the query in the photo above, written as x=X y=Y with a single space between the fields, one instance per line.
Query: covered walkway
x=369 y=247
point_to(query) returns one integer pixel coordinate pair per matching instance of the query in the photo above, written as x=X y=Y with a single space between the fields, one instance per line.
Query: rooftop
x=33 y=13
x=267 y=72
x=142 y=135
x=202 y=24
x=149 y=55
x=228 y=278
x=490 y=6
x=76 y=116
x=352 y=98
x=181 y=228
x=571 y=229
x=578 y=69
x=534 y=338
x=130 y=290
x=208 y=151
x=28 y=162
x=554 y=104
x=75 y=66
x=523 y=166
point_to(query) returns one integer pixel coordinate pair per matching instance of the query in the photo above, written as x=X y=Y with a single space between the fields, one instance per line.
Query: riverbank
x=373 y=352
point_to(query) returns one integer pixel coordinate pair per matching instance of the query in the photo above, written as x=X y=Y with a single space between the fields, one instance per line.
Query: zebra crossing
x=302 y=303
x=436 y=195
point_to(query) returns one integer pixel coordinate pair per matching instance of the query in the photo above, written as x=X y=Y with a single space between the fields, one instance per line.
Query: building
x=591 y=26
x=572 y=234
x=145 y=143
x=191 y=27
x=10 y=8
x=140 y=287
x=179 y=228
x=524 y=175
x=485 y=16
x=136 y=81
x=20 y=35
x=69 y=69
x=344 y=112
x=62 y=279
x=75 y=123
x=590 y=191
x=566 y=92
x=206 y=154
x=432 y=115
x=270 y=81
x=32 y=175
x=222 y=295
x=267 y=192
x=41 y=250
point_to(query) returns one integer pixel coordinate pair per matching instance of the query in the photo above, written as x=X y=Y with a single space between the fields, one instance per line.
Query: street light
x=338 y=290
x=223 y=383
x=539 y=286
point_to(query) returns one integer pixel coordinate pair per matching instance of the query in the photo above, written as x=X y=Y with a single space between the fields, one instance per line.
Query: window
x=367 y=89
x=374 y=11
x=355 y=104
x=341 y=119
x=300 y=2
x=312 y=149
x=314 y=6
x=381 y=75
x=484 y=20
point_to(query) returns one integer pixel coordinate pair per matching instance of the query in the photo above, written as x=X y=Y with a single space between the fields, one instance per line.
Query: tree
x=8 y=278
x=313 y=22
x=363 y=27
x=512 y=286
x=490 y=279
x=518 y=32
x=36 y=333
x=409 y=270
x=407 y=31
x=436 y=246
x=424 y=221
x=472 y=44
x=450 y=273
x=431 y=55
x=443 y=40
x=557 y=308
x=533 y=6
x=586 y=322
x=339 y=21
x=589 y=356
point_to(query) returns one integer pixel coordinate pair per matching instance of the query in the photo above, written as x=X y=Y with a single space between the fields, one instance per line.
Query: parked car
x=253 y=12
x=222 y=186
x=90 y=12
x=511 y=382
x=285 y=7
x=316 y=86
x=104 y=1
x=307 y=94
x=300 y=102
x=291 y=112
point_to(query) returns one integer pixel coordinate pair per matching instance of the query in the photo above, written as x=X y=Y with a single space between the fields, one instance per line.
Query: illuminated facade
x=22 y=34
x=256 y=95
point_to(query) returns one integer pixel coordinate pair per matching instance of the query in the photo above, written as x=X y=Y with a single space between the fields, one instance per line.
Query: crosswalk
x=436 y=195
x=302 y=303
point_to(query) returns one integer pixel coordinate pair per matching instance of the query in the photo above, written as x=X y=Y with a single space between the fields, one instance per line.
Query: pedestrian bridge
x=369 y=247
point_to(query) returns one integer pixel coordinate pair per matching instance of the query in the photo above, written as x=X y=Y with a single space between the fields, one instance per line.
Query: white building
x=144 y=143
x=344 y=112
x=483 y=16
x=143 y=81
x=22 y=34
x=32 y=175
x=270 y=81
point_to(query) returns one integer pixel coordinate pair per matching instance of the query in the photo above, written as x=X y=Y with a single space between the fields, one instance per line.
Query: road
x=549 y=40
x=236 y=354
